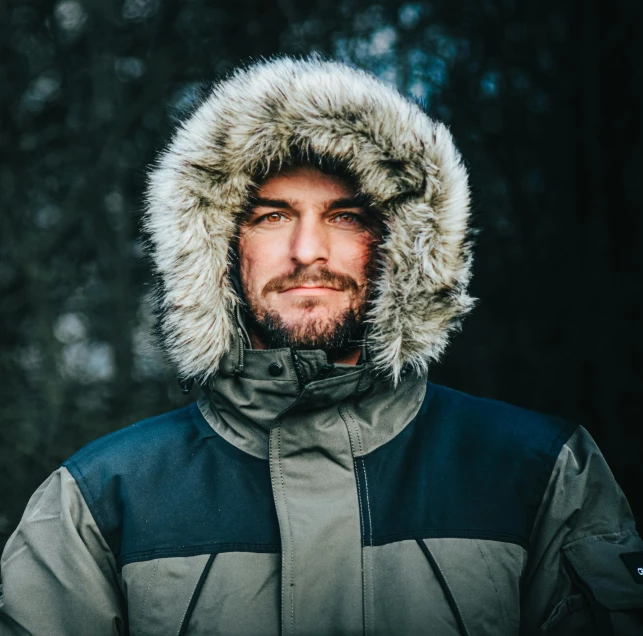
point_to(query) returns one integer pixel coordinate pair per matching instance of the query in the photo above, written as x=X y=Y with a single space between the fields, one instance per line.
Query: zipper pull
x=298 y=370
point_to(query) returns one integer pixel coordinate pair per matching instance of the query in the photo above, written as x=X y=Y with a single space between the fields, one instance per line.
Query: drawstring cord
x=445 y=588
x=197 y=591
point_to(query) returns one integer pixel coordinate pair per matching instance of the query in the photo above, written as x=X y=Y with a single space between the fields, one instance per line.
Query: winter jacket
x=300 y=497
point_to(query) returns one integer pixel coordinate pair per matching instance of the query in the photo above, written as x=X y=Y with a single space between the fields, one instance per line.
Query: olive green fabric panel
x=315 y=492
x=58 y=574
x=252 y=440
x=242 y=407
x=158 y=593
x=583 y=524
x=383 y=411
x=408 y=598
x=484 y=578
x=240 y=597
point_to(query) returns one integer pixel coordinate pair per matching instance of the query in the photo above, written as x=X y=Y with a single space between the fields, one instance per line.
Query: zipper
x=299 y=372
x=241 y=348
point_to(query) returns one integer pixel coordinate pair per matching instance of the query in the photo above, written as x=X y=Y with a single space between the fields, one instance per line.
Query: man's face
x=306 y=256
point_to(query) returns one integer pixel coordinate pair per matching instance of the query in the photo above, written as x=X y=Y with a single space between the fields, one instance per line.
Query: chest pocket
x=480 y=580
x=159 y=593
x=227 y=594
x=446 y=587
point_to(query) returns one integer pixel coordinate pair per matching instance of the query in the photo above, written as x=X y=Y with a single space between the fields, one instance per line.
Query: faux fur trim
x=404 y=162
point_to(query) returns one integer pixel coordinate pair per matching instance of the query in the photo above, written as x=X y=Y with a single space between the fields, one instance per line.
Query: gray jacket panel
x=58 y=574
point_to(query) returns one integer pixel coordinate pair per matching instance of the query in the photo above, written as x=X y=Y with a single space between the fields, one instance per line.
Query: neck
x=344 y=356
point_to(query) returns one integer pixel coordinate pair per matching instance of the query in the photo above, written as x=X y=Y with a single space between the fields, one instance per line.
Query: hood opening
x=265 y=117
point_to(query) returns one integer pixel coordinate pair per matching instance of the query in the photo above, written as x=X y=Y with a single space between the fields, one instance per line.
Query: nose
x=309 y=241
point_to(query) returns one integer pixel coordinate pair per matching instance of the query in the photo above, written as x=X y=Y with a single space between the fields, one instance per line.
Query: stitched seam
x=292 y=545
x=609 y=537
x=491 y=577
x=359 y=496
x=450 y=533
x=359 y=501
x=356 y=462
x=189 y=551
x=361 y=520
x=370 y=527
x=96 y=512
x=368 y=507
x=357 y=434
x=370 y=533
x=544 y=477
x=147 y=591
x=282 y=547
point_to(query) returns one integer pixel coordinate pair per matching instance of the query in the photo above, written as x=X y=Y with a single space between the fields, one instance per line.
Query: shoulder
x=492 y=425
x=494 y=459
x=124 y=470
x=170 y=486
x=154 y=434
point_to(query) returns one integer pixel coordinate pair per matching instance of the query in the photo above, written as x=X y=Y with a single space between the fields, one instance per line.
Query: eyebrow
x=333 y=204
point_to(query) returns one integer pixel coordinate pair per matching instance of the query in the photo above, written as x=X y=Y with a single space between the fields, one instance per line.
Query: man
x=309 y=228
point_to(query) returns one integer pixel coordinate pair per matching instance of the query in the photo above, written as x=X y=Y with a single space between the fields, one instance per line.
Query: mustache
x=322 y=277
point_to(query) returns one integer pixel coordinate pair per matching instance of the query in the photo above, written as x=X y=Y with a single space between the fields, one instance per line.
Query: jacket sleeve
x=583 y=575
x=58 y=574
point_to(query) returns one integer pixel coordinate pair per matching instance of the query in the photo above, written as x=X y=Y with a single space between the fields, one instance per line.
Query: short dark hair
x=306 y=158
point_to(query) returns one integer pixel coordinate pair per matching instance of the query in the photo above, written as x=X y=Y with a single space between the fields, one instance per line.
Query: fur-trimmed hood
x=404 y=162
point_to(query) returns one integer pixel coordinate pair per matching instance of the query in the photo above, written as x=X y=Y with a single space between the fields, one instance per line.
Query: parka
x=297 y=496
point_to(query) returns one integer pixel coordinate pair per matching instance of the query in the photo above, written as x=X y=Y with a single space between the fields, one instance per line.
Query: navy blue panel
x=465 y=467
x=171 y=486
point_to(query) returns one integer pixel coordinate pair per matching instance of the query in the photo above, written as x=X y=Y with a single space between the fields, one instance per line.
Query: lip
x=310 y=291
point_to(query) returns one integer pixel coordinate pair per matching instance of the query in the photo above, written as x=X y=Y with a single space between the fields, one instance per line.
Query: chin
x=309 y=310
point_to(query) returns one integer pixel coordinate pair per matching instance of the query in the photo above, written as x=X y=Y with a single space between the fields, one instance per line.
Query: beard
x=333 y=333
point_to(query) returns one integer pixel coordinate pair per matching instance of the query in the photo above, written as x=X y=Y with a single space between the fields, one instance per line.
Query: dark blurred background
x=544 y=99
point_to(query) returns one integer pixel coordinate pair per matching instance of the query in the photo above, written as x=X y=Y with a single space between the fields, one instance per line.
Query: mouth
x=310 y=290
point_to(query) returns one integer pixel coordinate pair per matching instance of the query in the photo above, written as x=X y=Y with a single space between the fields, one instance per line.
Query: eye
x=350 y=219
x=272 y=218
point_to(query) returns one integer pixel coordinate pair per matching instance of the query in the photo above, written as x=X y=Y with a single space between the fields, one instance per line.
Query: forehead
x=305 y=183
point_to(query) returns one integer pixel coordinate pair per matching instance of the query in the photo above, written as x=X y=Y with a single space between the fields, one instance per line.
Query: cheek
x=353 y=256
x=247 y=266
x=258 y=262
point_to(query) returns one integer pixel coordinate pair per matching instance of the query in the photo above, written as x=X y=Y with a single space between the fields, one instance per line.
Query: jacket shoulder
x=170 y=486
x=494 y=425
x=121 y=448
x=464 y=467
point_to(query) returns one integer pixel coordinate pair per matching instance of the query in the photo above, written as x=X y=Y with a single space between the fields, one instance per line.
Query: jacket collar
x=255 y=388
